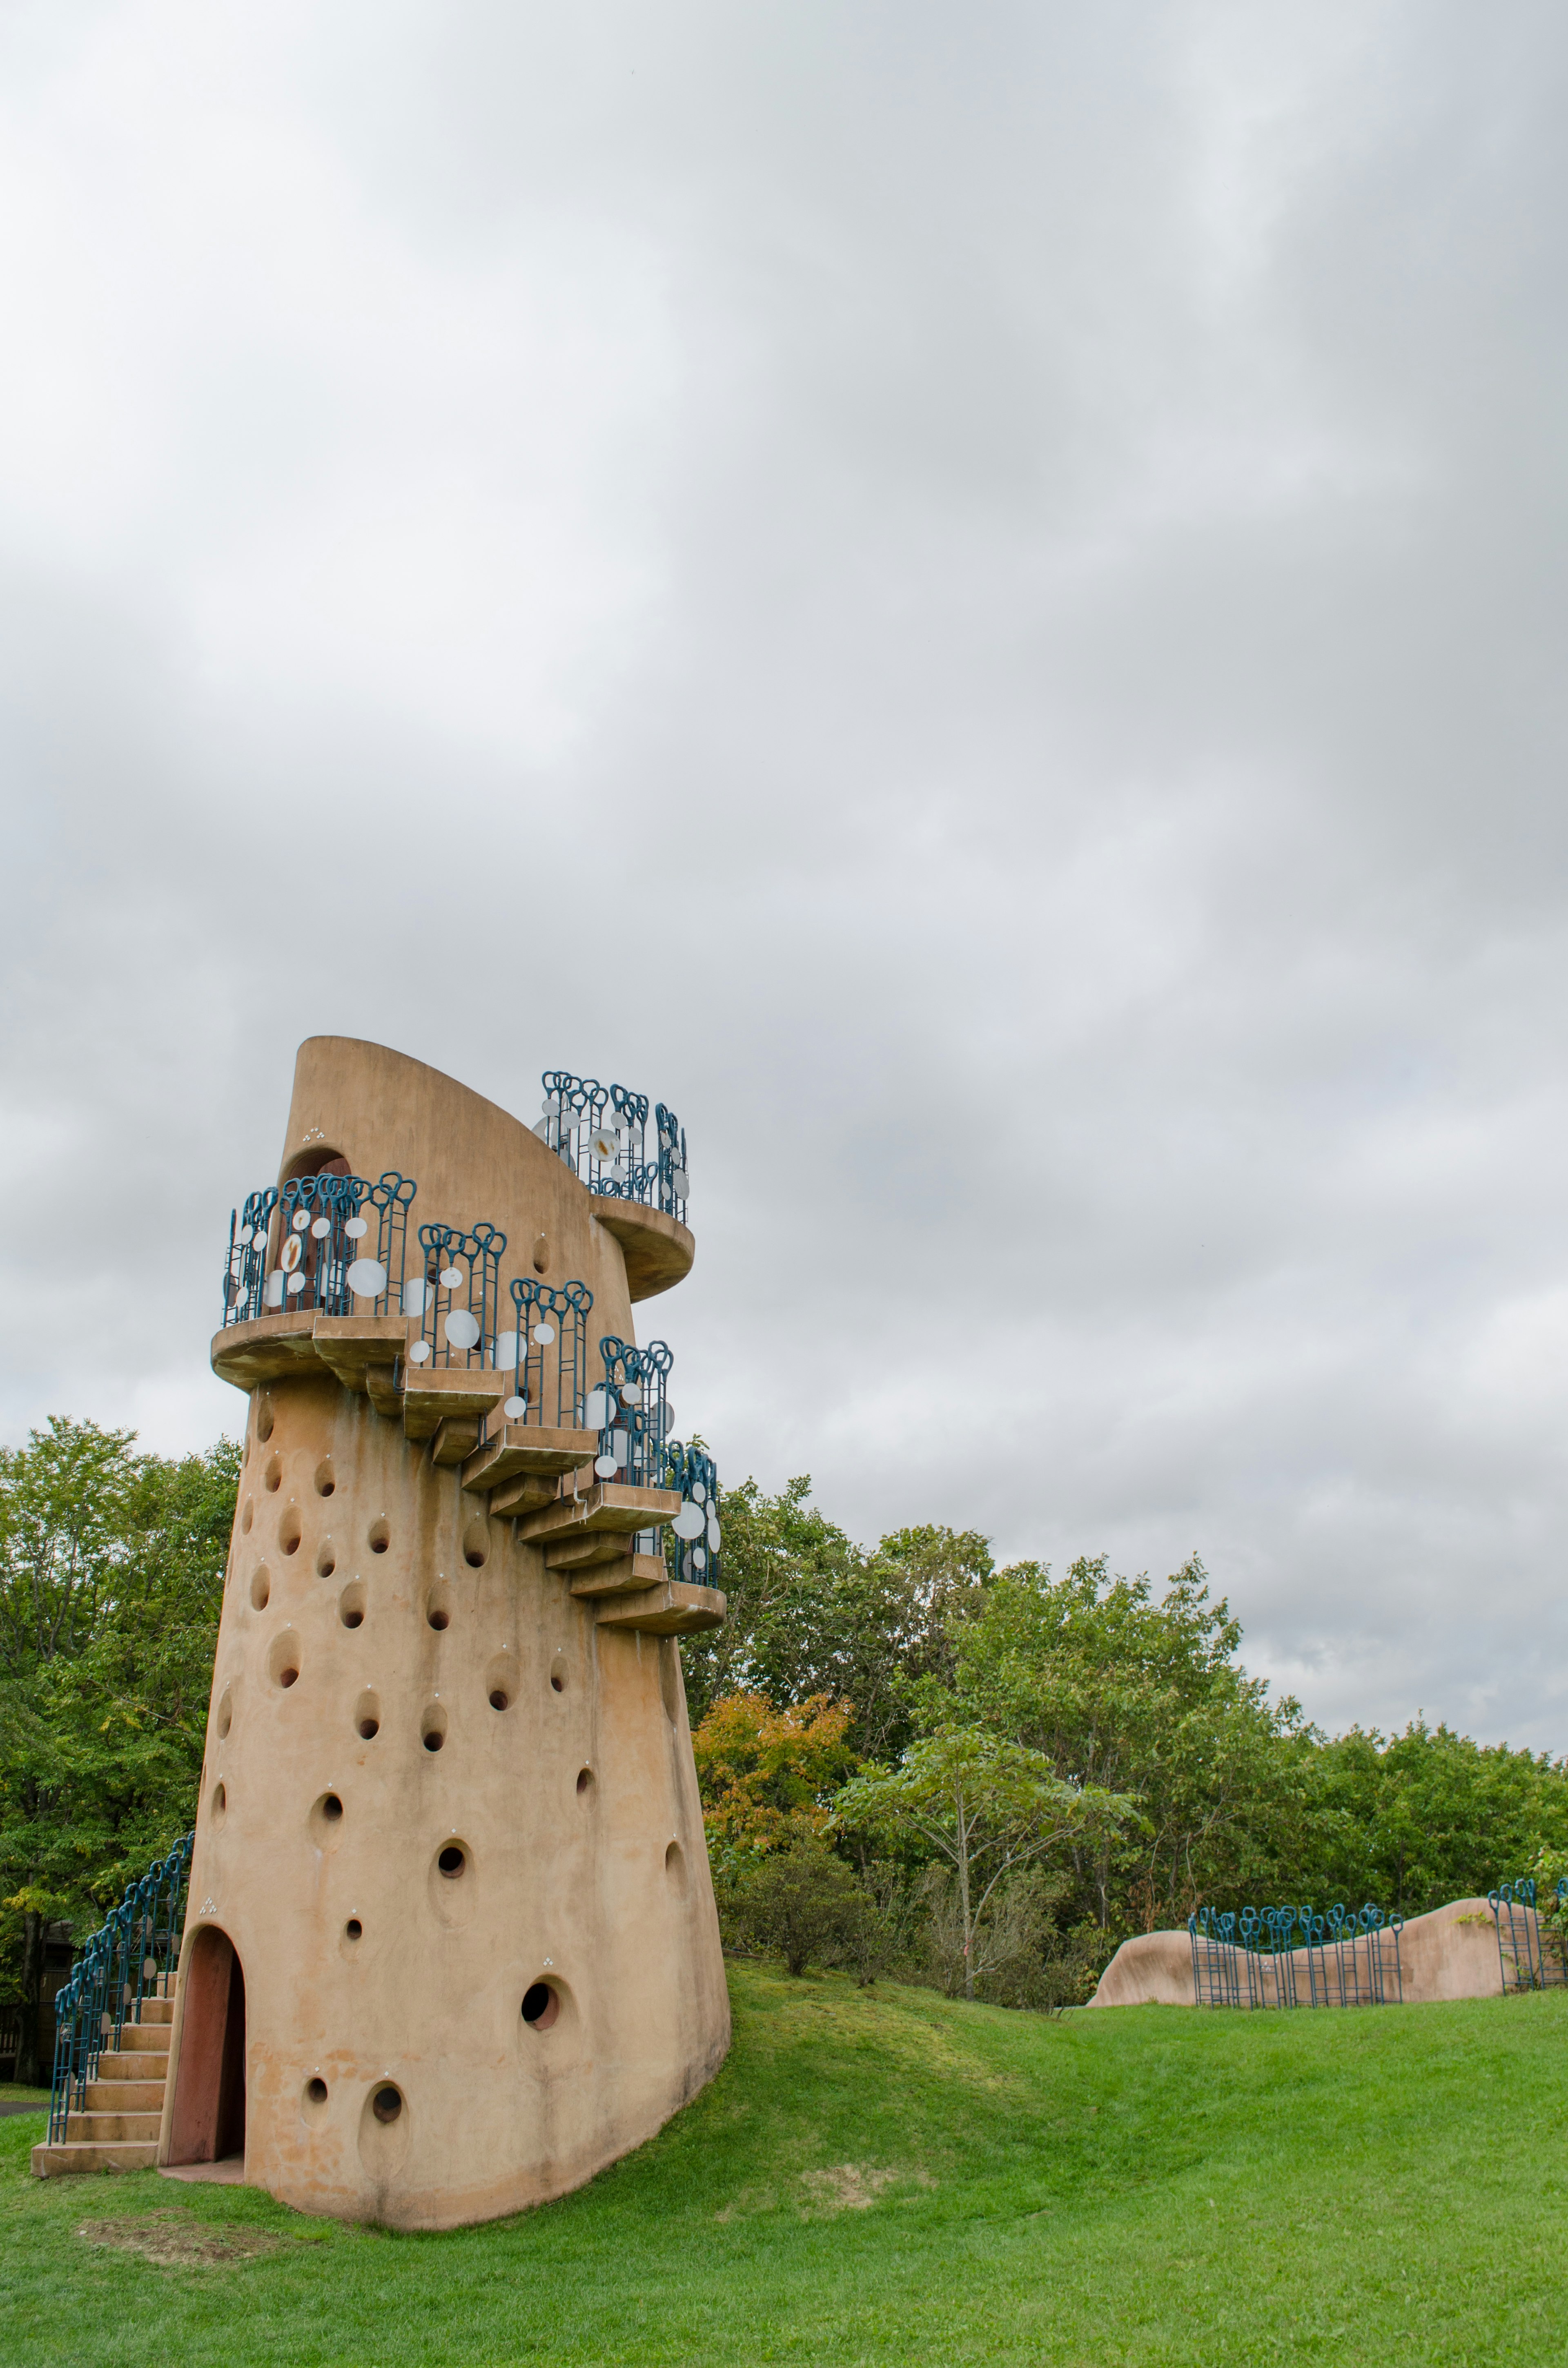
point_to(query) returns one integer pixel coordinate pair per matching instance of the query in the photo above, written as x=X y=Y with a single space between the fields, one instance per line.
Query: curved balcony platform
x=658 y=1250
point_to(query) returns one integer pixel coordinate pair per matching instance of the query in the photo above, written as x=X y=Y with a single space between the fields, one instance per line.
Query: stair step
x=511 y=1448
x=144 y=2039
x=673 y=1609
x=627 y=1574
x=123 y=2154
x=100 y=2129
x=157 y=2010
x=609 y=1508
x=133 y=2064
x=125 y=2097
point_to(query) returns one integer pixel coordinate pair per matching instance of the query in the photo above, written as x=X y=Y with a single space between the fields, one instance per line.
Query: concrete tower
x=451 y=1944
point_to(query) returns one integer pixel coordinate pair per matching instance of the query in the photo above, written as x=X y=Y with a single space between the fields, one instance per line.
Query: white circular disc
x=301 y=1219
x=505 y=1349
x=699 y=1559
x=714 y=1533
x=420 y=1353
x=604 y=1465
x=631 y=1393
x=698 y=1491
x=295 y=1282
x=544 y=1334
x=291 y=1253
x=356 y=1229
x=367 y=1277
x=515 y=1410
x=602 y=1144
x=274 y=1288
x=321 y=1227
x=617 y=1173
x=452 y=1278
x=542 y=1130
x=596 y=1409
x=415 y=1296
x=688 y=1523
x=461 y=1328
x=679 y=1180
x=245 y=1233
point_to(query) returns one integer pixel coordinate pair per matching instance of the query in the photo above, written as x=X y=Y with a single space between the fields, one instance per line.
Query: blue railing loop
x=1296 y=1957
x=694 y=1538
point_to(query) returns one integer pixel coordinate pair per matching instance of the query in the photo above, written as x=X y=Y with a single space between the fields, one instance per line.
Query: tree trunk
x=968 y=1927
x=30 y=2070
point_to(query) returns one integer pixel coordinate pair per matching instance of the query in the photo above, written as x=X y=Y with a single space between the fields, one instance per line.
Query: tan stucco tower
x=451 y=1944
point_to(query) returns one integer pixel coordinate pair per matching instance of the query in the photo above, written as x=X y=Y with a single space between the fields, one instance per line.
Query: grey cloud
x=972 y=601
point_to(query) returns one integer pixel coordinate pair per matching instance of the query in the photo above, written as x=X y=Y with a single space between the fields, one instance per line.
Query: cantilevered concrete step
x=299 y=1340
x=611 y=1508
x=142 y=2039
x=123 y=2154
x=673 y=1609
x=625 y=1574
x=436 y=1394
x=511 y=1448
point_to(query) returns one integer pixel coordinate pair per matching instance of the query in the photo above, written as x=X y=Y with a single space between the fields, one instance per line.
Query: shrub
x=801 y=1903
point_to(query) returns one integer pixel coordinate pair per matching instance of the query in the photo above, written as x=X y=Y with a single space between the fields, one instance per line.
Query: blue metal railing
x=1529 y=1959
x=631 y=1412
x=691 y=1546
x=548 y=1353
x=1296 y=1957
x=601 y=1131
x=129 y=1958
x=457 y=1296
x=335 y=1243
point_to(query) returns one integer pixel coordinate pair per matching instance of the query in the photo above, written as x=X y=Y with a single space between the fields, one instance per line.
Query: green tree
x=985 y=1804
x=111 y=1569
x=1144 y=1698
x=811 y=1612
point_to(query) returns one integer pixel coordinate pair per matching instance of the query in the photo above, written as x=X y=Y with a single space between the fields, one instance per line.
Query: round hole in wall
x=220 y=1804
x=353 y=1930
x=315 y=2092
x=225 y=1714
x=369 y=1728
x=675 y=1869
x=351 y=1605
x=452 y=1860
x=288 y=1677
x=499 y=1698
x=264 y=1418
x=476 y=1545
x=368 y=1715
x=540 y=2006
x=380 y=1537
x=438 y=1607
x=438 y=1616
x=325 y=1483
x=332 y=1808
x=289 y=1531
x=246 y=1518
x=326 y=1560
x=432 y=1738
x=260 y=1589
x=245 y=1454
x=584 y=1779
x=386 y=2104
x=272 y=1478
x=541 y=1255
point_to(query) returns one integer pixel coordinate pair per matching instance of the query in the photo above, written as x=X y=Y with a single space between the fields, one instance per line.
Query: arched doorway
x=208 y=2123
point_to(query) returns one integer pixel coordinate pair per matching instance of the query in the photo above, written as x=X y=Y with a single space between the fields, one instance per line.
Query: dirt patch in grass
x=177 y=2241
x=853 y=2186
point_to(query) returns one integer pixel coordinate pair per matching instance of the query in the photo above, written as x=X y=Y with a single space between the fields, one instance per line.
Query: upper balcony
x=639 y=1173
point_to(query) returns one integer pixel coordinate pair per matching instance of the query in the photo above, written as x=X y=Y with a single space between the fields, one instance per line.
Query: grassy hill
x=880 y=2176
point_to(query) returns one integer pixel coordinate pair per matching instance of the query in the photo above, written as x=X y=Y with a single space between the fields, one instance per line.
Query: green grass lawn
x=882 y=2176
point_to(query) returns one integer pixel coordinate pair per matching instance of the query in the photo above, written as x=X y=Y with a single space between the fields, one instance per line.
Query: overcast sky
x=971 y=596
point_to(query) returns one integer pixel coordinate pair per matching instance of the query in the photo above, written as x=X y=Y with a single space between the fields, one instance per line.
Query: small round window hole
x=452 y=1860
x=353 y=1930
x=386 y=2104
x=540 y=2006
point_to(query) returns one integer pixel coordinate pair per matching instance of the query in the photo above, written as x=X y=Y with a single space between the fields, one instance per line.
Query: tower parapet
x=451 y=1927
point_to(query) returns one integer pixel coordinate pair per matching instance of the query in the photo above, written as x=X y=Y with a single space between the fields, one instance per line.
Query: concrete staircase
x=118 y=2131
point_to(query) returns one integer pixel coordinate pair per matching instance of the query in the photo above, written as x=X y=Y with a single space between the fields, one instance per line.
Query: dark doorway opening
x=208 y=2123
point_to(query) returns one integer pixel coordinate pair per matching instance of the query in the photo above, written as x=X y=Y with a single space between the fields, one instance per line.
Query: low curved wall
x=1449 y=1954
